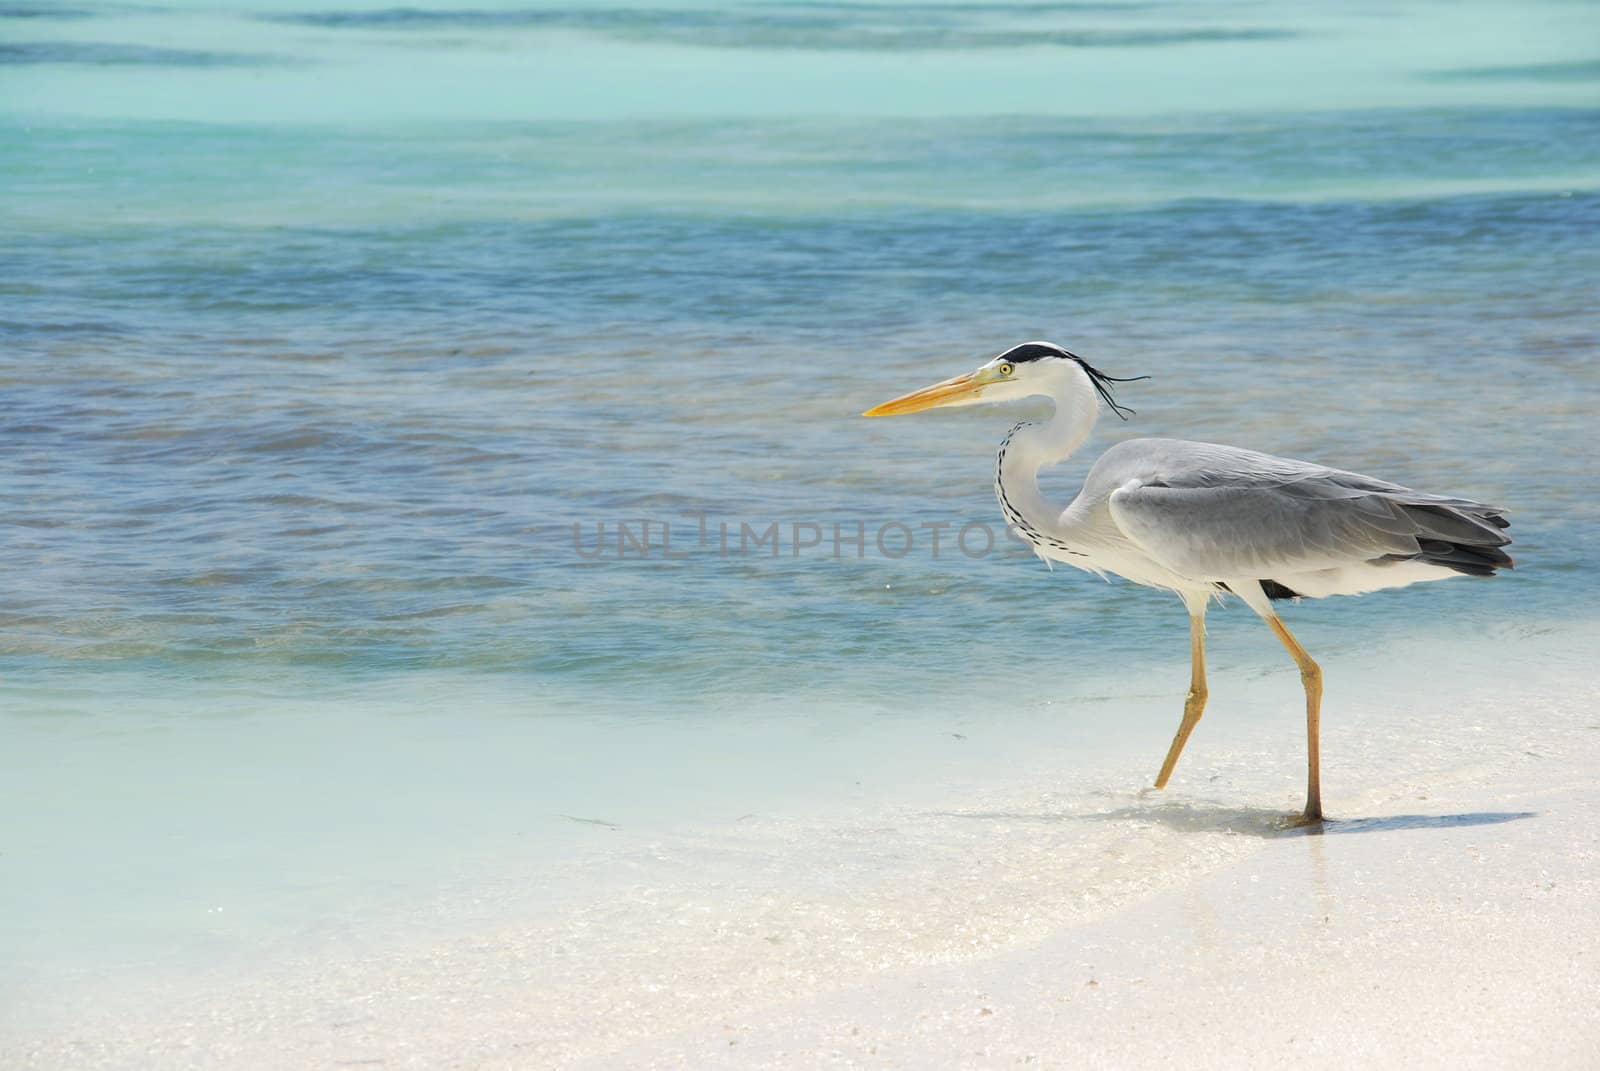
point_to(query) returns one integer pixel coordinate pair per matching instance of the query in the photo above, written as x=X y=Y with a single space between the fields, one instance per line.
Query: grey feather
x=1215 y=513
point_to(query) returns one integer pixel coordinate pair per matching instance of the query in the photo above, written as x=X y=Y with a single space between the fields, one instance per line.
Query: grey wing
x=1233 y=514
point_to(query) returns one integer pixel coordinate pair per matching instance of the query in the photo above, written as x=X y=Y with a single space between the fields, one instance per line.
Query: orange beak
x=950 y=390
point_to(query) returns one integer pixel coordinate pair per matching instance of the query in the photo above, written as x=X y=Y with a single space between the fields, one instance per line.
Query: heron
x=1204 y=520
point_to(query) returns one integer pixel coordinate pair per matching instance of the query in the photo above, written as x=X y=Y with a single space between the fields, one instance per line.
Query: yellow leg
x=1194 y=703
x=1311 y=677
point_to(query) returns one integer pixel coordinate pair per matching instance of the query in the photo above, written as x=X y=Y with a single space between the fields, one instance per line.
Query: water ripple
x=395 y=444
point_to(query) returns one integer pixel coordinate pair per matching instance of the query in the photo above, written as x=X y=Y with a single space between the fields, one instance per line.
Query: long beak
x=951 y=390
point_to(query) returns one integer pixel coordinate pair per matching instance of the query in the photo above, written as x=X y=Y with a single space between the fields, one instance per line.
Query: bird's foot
x=1309 y=818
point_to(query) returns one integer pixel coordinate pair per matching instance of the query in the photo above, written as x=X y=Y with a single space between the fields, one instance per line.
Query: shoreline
x=1459 y=850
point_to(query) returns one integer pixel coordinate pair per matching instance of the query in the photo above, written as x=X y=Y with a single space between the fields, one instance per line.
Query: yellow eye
x=1007 y=368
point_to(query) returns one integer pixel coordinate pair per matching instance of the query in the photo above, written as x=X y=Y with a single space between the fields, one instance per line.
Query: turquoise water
x=330 y=338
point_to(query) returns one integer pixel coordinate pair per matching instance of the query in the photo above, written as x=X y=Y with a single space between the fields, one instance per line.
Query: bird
x=1205 y=520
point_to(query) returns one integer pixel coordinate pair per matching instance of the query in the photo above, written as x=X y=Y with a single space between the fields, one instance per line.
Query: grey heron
x=1203 y=520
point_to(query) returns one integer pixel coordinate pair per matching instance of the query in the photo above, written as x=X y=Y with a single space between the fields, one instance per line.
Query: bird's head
x=1033 y=369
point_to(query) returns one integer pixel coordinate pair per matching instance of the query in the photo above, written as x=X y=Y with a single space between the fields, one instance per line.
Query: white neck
x=1031 y=447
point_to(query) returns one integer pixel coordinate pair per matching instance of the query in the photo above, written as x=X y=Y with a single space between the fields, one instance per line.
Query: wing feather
x=1242 y=515
x=1211 y=512
x=1222 y=533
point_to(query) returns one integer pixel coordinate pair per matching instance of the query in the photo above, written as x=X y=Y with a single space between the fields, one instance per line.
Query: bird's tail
x=1460 y=535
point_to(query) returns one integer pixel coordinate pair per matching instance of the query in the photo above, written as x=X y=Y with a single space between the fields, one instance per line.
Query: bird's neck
x=1034 y=446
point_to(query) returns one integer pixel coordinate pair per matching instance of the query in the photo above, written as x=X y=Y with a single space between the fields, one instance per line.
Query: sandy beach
x=457 y=616
x=1437 y=939
x=1444 y=918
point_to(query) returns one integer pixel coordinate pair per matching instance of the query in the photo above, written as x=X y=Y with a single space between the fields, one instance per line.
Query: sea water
x=432 y=473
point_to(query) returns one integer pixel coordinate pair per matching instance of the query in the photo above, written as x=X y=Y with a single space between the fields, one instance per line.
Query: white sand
x=1423 y=941
x=1452 y=920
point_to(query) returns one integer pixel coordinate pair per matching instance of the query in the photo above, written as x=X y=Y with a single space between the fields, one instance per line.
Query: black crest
x=1038 y=351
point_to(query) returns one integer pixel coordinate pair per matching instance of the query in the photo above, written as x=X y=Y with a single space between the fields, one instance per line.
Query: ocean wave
x=816 y=26
x=43 y=11
x=105 y=54
x=1577 y=71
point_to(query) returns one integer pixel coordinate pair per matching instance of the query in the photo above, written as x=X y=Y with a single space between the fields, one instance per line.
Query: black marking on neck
x=1014 y=515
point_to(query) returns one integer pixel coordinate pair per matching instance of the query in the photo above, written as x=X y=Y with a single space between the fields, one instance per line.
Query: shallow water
x=331 y=338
